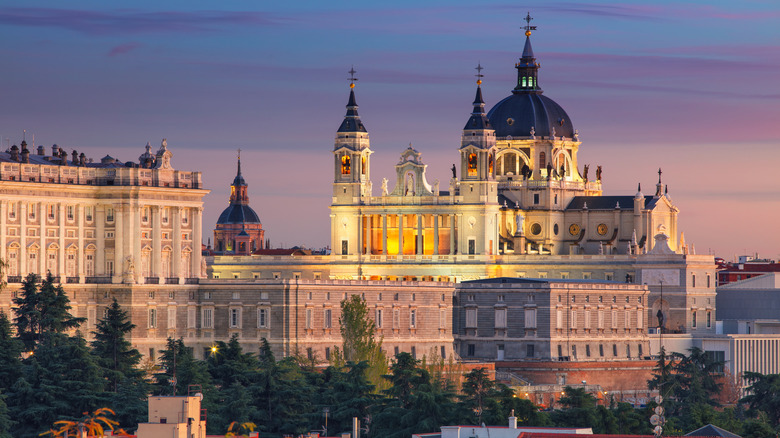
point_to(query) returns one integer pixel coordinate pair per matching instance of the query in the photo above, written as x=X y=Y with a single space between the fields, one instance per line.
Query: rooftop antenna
x=352 y=79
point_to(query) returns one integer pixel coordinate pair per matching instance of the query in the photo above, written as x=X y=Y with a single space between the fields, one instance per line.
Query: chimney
x=55 y=151
x=41 y=150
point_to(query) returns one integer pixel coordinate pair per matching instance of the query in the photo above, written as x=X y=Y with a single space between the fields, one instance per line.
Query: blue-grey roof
x=478 y=120
x=711 y=430
x=238 y=214
x=607 y=202
x=352 y=122
x=530 y=110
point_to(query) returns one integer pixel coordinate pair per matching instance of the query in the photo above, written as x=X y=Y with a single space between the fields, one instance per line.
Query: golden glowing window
x=472 y=164
x=490 y=165
x=363 y=166
x=345 y=164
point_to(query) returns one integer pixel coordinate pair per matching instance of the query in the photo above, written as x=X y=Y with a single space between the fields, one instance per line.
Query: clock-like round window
x=602 y=229
x=536 y=229
x=510 y=121
x=574 y=229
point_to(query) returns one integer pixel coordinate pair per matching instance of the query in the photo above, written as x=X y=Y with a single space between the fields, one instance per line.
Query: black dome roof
x=238 y=214
x=518 y=113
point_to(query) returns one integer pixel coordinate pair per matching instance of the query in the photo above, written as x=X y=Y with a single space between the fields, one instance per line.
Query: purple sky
x=687 y=86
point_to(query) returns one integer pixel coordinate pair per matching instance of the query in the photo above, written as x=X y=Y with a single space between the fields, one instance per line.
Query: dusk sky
x=691 y=87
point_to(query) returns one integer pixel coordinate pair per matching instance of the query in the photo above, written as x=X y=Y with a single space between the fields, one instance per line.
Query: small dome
x=238 y=214
x=520 y=112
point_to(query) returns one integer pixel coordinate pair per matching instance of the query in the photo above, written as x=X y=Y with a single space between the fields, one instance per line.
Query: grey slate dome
x=526 y=108
x=518 y=113
x=238 y=214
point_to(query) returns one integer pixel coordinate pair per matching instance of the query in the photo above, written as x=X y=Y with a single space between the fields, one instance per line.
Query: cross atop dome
x=352 y=79
x=528 y=28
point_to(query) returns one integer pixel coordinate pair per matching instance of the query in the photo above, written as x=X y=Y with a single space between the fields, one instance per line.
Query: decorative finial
x=239 y=154
x=479 y=74
x=528 y=28
x=659 y=175
x=352 y=77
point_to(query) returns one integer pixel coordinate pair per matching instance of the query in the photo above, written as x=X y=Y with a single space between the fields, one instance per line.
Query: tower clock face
x=574 y=229
x=602 y=229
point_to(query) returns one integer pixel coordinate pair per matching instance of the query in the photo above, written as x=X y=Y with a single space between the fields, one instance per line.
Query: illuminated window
x=472 y=164
x=345 y=164
x=525 y=81
x=542 y=160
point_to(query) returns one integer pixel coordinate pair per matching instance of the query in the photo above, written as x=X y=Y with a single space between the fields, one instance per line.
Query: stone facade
x=542 y=320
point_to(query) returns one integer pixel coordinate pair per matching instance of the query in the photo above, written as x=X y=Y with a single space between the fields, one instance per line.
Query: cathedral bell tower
x=478 y=153
x=351 y=156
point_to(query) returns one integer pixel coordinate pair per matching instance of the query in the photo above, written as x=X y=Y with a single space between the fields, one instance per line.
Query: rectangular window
x=536 y=199
x=396 y=318
x=442 y=319
x=639 y=350
x=88 y=213
x=573 y=319
x=443 y=351
x=413 y=318
x=587 y=319
x=640 y=320
x=559 y=319
x=52 y=210
x=530 y=318
x=693 y=319
x=471 y=317
x=327 y=353
x=262 y=318
x=110 y=214
x=470 y=351
x=614 y=350
x=614 y=319
x=574 y=351
x=171 y=317
x=70 y=215
x=693 y=280
x=472 y=246
x=109 y=268
x=207 y=318
x=709 y=319
x=344 y=247
x=152 y=318
x=235 y=318
x=191 y=318
x=601 y=350
x=308 y=319
x=708 y=280
x=328 y=321
x=529 y=350
x=396 y=350
x=378 y=318
x=628 y=351
x=165 y=215
x=414 y=352
x=587 y=350
x=500 y=318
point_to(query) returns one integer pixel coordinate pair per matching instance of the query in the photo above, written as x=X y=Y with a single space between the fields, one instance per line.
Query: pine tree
x=115 y=354
x=360 y=341
x=10 y=349
x=42 y=311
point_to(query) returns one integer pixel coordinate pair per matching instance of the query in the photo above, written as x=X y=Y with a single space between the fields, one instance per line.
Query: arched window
x=363 y=165
x=345 y=164
x=490 y=165
x=542 y=160
x=472 y=164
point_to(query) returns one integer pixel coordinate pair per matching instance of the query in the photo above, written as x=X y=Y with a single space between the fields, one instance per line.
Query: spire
x=238 y=190
x=659 y=188
x=478 y=119
x=527 y=68
x=352 y=122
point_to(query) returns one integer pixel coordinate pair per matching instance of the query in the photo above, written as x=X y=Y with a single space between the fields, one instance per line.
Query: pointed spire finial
x=528 y=28
x=352 y=77
x=239 y=162
x=659 y=175
x=479 y=74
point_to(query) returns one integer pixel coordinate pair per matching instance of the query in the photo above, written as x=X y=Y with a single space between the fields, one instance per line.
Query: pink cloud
x=123 y=48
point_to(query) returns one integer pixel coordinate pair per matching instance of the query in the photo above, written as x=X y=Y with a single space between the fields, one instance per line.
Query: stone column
x=452 y=234
x=156 y=243
x=119 y=242
x=420 y=240
x=197 y=239
x=43 y=253
x=22 y=212
x=436 y=234
x=135 y=236
x=100 y=240
x=400 y=234
x=384 y=234
x=61 y=256
x=81 y=223
x=359 y=229
x=176 y=254
x=369 y=234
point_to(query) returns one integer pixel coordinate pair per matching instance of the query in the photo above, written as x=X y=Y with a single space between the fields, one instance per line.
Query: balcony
x=97 y=280
x=172 y=280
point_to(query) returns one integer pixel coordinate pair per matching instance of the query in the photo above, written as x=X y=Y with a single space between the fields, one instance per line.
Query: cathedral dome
x=238 y=214
x=526 y=109
x=517 y=114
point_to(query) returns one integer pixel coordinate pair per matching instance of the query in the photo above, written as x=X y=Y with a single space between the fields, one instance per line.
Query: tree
x=10 y=349
x=115 y=354
x=578 y=408
x=477 y=389
x=42 y=310
x=359 y=339
x=763 y=395
x=88 y=425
